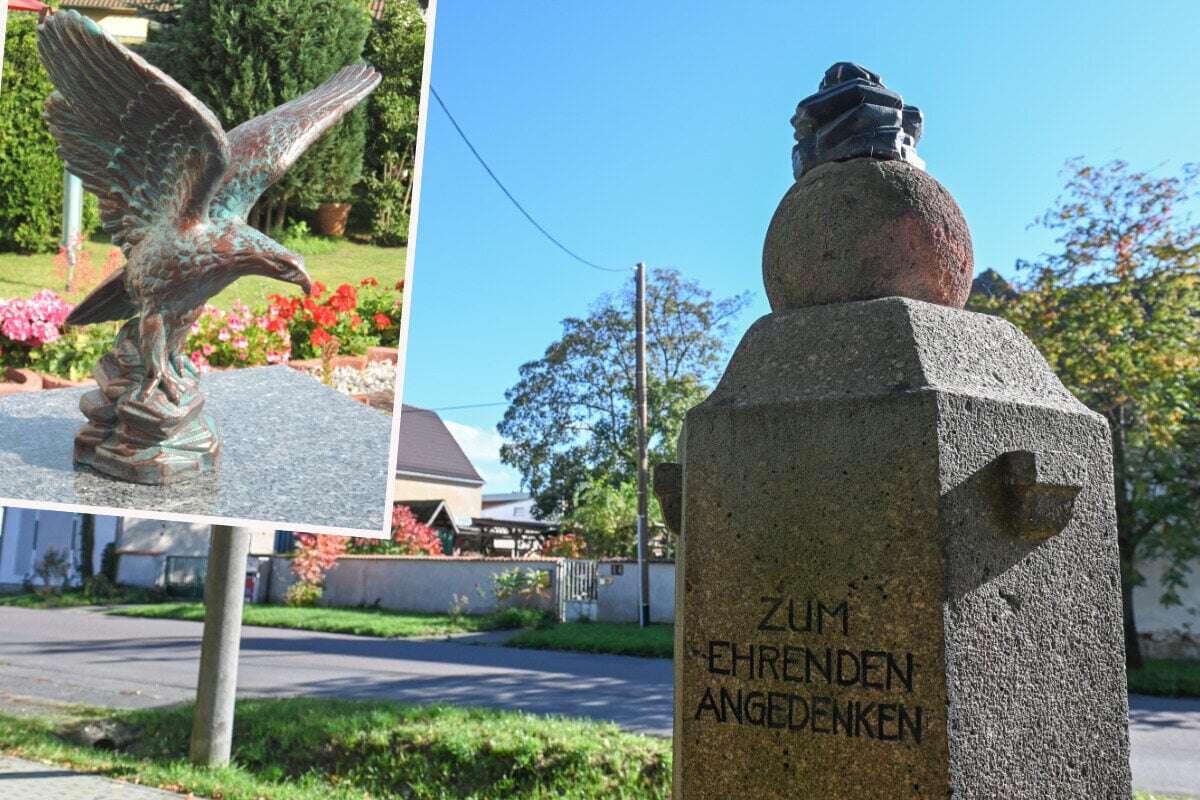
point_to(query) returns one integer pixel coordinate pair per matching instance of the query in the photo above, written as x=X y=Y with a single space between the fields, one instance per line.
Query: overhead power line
x=509 y=194
x=470 y=405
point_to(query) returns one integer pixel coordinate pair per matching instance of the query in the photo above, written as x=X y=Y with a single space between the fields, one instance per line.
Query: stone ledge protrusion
x=1041 y=490
x=668 y=488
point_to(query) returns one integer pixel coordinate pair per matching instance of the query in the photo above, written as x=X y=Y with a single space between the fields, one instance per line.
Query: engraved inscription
x=804 y=686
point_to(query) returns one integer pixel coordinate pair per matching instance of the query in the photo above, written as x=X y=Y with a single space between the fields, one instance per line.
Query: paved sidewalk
x=28 y=780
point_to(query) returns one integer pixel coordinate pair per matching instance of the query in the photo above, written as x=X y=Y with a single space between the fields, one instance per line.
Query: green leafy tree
x=243 y=59
x=1115 y=312
x=397 y=48
x=605 y=515
x=570 y=419
x=87 y=545
x=31 y=173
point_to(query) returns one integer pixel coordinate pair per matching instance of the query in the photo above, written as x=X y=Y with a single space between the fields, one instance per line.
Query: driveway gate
x=577 y=589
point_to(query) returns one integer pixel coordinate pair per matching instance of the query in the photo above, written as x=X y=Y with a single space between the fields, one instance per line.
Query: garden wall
x=618 y=595
x=410 y=583
x=427 y=584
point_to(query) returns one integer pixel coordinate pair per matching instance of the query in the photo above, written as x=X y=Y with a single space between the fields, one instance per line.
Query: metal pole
x=72 y=222
x=224 y=589
x=643 y=460
x=3 y=33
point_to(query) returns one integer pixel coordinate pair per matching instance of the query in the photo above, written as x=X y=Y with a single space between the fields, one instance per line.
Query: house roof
x=509 y=497
x=426 y=449
x=430 y=512
x=113 y=5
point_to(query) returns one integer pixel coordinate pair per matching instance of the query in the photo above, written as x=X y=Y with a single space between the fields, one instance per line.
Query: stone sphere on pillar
x=867 y=228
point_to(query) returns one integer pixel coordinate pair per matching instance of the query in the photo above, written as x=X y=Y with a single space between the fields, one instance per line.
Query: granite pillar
x=899 y=572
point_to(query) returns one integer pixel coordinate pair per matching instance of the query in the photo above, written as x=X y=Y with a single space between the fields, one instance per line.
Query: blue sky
x=659 y=132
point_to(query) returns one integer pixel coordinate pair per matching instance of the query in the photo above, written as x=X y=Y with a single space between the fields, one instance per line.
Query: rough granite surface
x=295 y=454
x=864 y=229
x=856 y=617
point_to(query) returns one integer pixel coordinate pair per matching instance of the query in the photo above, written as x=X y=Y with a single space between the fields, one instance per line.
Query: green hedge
x=31 y=173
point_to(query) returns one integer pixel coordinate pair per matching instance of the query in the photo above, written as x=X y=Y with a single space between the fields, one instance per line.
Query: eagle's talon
x=184 y=366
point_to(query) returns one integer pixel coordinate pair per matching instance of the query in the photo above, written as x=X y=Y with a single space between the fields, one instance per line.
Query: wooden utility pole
x=216 y=690
x=643 y=460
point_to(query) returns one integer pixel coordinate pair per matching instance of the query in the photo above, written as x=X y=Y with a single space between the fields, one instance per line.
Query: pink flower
x=207 y=348
x=241 y=343
x=224 y=335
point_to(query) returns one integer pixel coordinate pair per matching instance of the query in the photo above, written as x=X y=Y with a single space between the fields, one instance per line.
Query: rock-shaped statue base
x=150 y=440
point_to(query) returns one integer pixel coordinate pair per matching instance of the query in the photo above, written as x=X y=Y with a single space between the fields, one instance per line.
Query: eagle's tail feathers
x=108 y=301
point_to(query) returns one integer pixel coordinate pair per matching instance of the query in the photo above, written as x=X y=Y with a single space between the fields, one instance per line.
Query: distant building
x=517 y=506
x=118 y=18
x=432 y=466
x=27 y=533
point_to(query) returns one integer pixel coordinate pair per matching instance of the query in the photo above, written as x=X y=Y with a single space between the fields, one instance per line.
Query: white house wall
x=26 y=534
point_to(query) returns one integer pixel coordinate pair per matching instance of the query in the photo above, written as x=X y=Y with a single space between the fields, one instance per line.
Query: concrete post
x=224 y=589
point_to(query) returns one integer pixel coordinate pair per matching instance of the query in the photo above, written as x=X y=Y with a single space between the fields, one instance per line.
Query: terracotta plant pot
x=331 y=218
x=391 y=354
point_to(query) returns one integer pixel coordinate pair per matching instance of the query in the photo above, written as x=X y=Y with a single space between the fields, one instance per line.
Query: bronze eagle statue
x=175 y=189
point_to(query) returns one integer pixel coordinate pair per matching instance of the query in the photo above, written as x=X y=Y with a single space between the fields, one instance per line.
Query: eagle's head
x=262 y=255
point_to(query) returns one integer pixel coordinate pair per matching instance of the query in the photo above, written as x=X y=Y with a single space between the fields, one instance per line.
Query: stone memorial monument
x=899 y=572
x=175 y=190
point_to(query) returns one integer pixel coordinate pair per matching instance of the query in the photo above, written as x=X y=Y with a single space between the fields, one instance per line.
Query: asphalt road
x=82 y=656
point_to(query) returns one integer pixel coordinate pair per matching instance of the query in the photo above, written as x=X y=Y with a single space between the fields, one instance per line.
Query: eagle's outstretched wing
x=263 y=148
x=150 y=151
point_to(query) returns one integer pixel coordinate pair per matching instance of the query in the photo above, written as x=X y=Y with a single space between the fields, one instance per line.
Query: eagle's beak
x=295 y=273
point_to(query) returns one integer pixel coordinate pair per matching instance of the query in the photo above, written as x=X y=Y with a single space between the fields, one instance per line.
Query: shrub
x=303 y=595
x=53 y=569
x=31 y=173
x=297 y=237
x=244 y=59
x=26 y=324
x=357 y=317
x=108 y=562
x=99 y=587
x=410 y=537
x=396 y=47
x=74 y=354
x=32 y=335
x=567 y=545
x=511 y=618
x=523 y=587
x=315 y=555
x=239 y=337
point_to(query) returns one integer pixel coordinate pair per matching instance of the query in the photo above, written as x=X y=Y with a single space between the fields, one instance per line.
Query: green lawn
x=358 y=621
x=348 y=262
x=619 y=638
x=304 y=749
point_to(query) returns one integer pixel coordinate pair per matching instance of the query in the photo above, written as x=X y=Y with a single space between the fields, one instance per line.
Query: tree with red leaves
x=410 y=537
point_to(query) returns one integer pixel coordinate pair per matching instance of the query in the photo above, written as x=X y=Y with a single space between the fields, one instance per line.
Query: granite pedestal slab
x=899 y=568
x=296 y=455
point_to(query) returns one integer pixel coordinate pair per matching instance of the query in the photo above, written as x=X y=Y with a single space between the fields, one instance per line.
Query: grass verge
x=617 y=638
x=357 y=621
x=1166 y=677
x=75 y=598
x=345 y=262
x=305 y=749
